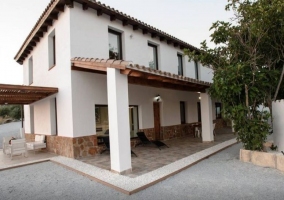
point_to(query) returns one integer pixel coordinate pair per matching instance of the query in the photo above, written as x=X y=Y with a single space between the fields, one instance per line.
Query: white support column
x=118 y=113
x=206 y=118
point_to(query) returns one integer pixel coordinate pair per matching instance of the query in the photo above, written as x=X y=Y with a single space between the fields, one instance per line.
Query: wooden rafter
x=140 y=75
x=19 y=94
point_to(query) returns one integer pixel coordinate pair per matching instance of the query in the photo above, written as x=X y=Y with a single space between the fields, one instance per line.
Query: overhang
x=20 y=94
x=55 y=7
x=140 y=75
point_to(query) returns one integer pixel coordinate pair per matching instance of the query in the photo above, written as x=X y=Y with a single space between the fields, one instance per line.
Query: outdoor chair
x=5 y=144
x=214 y=132
x=17 y=147
x=198 y=132
x=107 y=145
x=39 y=143
x=145 y=140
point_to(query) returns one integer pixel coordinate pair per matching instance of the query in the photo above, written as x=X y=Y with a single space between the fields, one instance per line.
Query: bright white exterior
x=278 y=125
x=81 y=33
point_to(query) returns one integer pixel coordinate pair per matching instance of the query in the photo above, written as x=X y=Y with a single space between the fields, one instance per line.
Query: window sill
x=51 y=67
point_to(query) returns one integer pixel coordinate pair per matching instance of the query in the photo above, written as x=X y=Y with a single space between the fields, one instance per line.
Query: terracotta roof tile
x=53 y=3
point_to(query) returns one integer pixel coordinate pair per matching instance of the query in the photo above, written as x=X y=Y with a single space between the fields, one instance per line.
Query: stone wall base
x=263 y=159
x=69 y=147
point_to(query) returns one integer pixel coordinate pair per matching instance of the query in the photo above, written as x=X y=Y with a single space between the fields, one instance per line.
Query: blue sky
x=188 y=20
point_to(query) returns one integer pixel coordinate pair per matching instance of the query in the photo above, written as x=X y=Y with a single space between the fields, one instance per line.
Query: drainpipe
x=22 y=131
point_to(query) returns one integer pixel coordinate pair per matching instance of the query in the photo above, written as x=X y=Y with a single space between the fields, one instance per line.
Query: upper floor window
x=153 y=56
x=180 y=65
x=30 y=70
x=114 y=44
x=196 y=69
x=52 y=49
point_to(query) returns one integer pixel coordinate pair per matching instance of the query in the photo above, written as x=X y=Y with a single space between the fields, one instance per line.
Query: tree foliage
x=13 y=111
x=248 y=60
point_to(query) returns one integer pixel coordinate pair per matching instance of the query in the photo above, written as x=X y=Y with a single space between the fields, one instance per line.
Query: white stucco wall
x=81 y=33
x=90 y=89
x=59 y=76
x=278 y=125
x=89 y=38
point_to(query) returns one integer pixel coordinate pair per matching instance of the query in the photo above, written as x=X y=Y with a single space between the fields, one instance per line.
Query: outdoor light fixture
x=158 y=97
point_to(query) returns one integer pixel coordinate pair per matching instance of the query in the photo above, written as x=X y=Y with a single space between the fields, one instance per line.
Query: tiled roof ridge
x=53 y=4
x=129 y=65
x=48 y=8
x=143 y=23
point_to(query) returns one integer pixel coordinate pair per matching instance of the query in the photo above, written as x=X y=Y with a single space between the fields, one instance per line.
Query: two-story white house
x=112 y=72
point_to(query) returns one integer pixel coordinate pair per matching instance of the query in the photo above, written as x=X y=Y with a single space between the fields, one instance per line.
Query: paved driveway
x=221 y=176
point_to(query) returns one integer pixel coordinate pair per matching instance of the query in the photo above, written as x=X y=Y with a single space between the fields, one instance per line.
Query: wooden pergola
x=141 y=75
x=23 y=95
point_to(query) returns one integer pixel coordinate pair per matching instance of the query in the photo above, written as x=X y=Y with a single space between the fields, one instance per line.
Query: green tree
x=248 y=65
x=4 y=111
x=13 y=111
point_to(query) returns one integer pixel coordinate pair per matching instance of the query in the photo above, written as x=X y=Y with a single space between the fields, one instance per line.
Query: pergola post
x=119 y=131
x=206 y=118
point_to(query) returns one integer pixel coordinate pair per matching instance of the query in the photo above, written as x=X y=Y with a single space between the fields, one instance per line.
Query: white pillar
x=206 y=118
x=119 y=131
x=278 y=125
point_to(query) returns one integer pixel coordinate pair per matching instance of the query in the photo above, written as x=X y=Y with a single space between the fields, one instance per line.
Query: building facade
x=113 y=73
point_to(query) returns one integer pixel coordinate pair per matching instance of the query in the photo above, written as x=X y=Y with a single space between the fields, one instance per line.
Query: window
x=52 y=49
x=114 y=43
x=218 y=110
x=198 y=112
x=133 y=120
x=153 y=56
x=182 y=112
x=196 y=69
x=102 y=123
x=180 y=65
x=30 y=70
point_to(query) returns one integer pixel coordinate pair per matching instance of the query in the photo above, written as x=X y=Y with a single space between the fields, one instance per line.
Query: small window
x=114 y=43
x=196 y=70
x=180 y=65
x=182 y=112
x=218 y=110
x=153 y=56
x=52 y=50
x=30 y=70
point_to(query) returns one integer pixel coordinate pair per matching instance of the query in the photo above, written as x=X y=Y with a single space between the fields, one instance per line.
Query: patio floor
x=150 y=157
x=18 y=160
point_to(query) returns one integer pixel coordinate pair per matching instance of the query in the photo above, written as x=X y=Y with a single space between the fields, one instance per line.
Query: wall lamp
x=158 y=97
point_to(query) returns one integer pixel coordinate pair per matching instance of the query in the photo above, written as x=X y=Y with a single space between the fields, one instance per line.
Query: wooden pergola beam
x=19 y=94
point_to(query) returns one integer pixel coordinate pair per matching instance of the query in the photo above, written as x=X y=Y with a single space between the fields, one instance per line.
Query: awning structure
x=20 y=94
x=140 y=75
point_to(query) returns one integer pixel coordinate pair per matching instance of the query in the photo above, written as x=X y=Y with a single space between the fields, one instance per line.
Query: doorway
x=157 y=122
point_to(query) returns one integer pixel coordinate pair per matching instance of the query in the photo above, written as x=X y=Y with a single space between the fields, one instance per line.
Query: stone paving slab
x=131 y=185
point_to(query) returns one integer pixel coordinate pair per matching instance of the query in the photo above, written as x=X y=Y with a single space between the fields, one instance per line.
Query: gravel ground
x=10 y=129
x=221 y=176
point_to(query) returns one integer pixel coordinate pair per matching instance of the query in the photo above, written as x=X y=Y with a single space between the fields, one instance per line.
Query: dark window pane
x=180 y=66
x=196 y=69
x=153 y=57
x=114 y=39
x=218 y=110
x=182 y=112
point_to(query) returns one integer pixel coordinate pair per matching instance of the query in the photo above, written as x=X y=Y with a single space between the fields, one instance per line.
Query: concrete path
x=221 y=176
